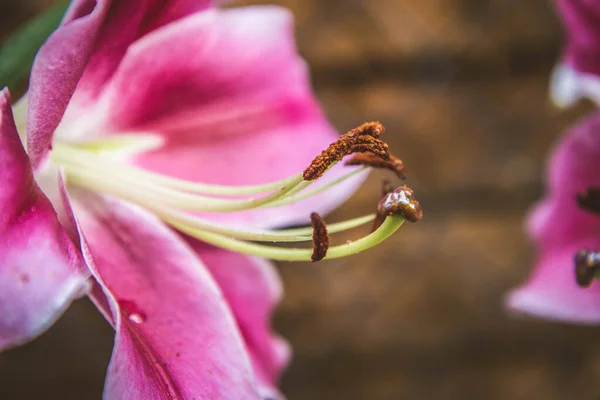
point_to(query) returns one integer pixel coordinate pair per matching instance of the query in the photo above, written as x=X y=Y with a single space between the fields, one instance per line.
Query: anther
x=374 y=128
x=590 y=200
x=401 y=201
x=320 y=237
x=394 y=164
x=586 y=264
x=358 y=140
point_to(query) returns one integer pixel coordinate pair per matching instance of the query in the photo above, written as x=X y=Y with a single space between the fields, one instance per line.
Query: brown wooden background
x=461 y=87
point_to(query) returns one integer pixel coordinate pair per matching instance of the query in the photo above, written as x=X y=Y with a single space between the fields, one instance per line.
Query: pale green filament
x=332 y=228
x=292 y=197
x=389 y=226
x=77 y=157
x=191 y=222
x=121 y=184
x=186 y=201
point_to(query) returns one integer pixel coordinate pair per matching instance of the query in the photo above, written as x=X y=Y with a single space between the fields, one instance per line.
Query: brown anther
x=320 y=237
x=374 y=128
x=394 y=164
x=586 y=264
x=386 y=187
x=590 y=200
x=401 y=201
x=358 y=140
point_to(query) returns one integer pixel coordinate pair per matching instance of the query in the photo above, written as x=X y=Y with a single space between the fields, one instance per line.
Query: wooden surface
x=461 y=88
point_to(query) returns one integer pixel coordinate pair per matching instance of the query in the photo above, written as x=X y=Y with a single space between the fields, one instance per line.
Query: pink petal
x=252 y=288
x=56 y=72
x=126 y=22
x=581 y=20
x=175 y=335
x=551 y=292
x=84 y=52
x=41 y=271
x=560 y=228
x=232 y=99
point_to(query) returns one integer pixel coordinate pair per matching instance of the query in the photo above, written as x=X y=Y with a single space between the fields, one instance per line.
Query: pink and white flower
x=560 y=228
x=148 y=124
x=565 y=225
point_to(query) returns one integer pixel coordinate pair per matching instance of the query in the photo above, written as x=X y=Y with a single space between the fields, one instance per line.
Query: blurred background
x=461 y=86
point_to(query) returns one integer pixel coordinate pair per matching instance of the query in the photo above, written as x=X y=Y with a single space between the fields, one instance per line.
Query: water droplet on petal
x=136 y=318
x=132 y=312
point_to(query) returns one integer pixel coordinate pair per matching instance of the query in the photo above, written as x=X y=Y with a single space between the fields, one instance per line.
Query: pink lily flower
x=576 y=76
x=148 y=125
x=565 y=225
x=560 y=228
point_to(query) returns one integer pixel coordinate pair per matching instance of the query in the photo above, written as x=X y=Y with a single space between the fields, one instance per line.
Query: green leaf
x=19 y=50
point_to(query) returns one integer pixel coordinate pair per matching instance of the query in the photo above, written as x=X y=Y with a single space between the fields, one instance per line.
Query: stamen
x=193 y=222
x=394 y=164
x=136 y=191
x=93 y=166
x=293 y=196
x=590 y=200
x=373 y=128
x=390 y=225
x=320 y=237
x=76 y=158
x=401 y=201
x=332 y=228
x=358 y=140
x=587 y=264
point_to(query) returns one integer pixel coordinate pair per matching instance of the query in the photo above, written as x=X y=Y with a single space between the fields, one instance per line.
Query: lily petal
x=84 y=52
x=175 y=335
x=560 y=228
x=552 y=292
x=56 y=71
x=41 y=270
x=232 y=100
x=252 y=288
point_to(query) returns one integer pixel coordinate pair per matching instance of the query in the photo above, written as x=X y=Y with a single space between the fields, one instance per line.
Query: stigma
x=177 y=202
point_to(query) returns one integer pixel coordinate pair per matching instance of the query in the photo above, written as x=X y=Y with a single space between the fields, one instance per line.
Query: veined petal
x=83 y=53
x=560 y=228
x=252 y=288
x=41 y=270
x=232 y=99
x=175 y=335
x=126 y=22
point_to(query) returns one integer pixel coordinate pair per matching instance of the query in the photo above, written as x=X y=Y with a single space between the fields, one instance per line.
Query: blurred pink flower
x=123 y=97
x=560 y=228
x=565 y=225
